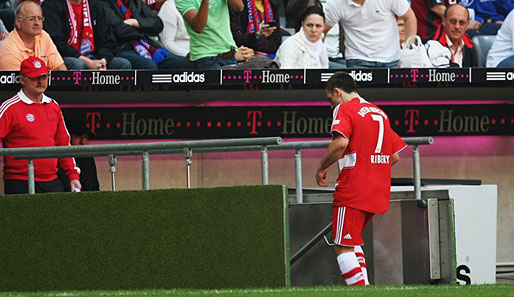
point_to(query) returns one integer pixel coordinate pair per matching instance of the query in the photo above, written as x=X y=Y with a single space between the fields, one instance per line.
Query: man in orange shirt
x=29 y=39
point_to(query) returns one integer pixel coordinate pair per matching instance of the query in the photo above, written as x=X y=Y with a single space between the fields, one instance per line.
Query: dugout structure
x=231 y=237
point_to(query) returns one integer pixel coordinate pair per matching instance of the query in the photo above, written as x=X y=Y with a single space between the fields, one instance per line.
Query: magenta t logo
x=414 y=74
x=412 y=116
x=93 y=118
x=77 y=75
x=252 y=115
x=248 y=76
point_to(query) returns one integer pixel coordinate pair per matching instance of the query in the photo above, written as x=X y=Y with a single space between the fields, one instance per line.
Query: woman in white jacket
x=305 y=49
x=174 y=35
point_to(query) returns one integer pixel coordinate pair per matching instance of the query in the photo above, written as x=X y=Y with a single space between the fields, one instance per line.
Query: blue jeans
x=357 y=63
x=116 y=63
x=211 y=63
x=506 y=63
x=336 y=63
x=486 y=29
x=139 y=62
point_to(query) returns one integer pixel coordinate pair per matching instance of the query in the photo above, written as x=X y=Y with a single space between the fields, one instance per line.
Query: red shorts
x=348 y=224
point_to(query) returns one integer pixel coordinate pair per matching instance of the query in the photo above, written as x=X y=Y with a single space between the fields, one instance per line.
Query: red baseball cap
x=33 y=67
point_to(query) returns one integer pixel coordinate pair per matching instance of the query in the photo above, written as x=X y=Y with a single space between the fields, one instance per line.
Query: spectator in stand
x=174 y=36
x=290 y=17
x=7 y=15
x=208 y=25
x=134 y=26
x=3 y=32
x=504 y=7
x=429 y=14
x=334 y=42
x=29 y=39
x=82 y=35
x=486 y=16
x=305 y=49
x=370 y=30
x=501 y=53
x=295 y=10
x=154 y=5
x=251 y=27
x=31 y=119
x=452 y=34
x=88 y=175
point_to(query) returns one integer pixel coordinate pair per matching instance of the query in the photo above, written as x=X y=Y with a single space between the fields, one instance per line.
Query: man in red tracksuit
x=31 y=119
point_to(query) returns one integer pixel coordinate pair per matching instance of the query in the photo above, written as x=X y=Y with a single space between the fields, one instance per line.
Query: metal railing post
x=265 y=165
x=112 y=169
x=31 y=182
x=417 y=172
x=298 y=174
x=188 y=155
x=146 y=170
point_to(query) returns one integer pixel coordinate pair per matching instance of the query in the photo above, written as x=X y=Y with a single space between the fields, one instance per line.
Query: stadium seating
x=481 y=45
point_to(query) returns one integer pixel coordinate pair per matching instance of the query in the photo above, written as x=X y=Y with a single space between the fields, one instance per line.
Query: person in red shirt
x=429 y=14
x=365 y=146
x=32 y=119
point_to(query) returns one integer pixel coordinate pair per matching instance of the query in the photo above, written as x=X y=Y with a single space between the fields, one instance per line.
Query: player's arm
x=395 y=158
x=334 y=152
x=197 y=19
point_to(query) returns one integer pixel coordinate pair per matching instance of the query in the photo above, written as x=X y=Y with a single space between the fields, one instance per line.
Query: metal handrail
x=264 y=145
x=306 y=247
x=416 y=141
x=110 y=150
x=131 y=148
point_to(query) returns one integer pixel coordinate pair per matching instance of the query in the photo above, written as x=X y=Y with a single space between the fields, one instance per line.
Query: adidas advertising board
x=357 y=75
x=274 y=78
x=499 y=76
x=179 y=78
x=10 y=79
x=360 y=75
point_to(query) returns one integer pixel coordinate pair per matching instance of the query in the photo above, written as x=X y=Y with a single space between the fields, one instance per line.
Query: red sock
x=359 y=253
x=351 y=269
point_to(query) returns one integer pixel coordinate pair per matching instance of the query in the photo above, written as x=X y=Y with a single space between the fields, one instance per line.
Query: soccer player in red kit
x=366 y=147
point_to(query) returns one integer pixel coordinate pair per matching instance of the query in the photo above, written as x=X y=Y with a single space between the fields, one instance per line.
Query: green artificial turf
x=233 y=237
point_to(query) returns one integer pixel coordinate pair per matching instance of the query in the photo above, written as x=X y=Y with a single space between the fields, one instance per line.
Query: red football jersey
x=364 y=180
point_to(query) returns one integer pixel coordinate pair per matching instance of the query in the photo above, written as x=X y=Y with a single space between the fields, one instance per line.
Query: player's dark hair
x=341 y=80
